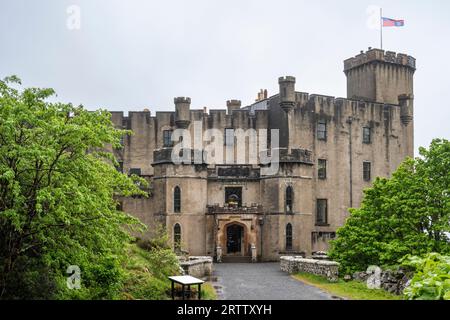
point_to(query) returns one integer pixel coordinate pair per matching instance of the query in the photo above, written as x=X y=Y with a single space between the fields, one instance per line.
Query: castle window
x=289 y=199
x=322 y=169
x=233 y=196
x=288 y=237
x=135 y=171
x=167 y=138
x=177 y=237
x=322 y=130
x=322 y=212
x=367 y=170
x=367 y=135
x=177 y=199
x=229 y=137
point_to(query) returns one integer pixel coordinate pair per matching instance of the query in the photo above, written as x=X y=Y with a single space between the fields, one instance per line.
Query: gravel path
x=261 y=281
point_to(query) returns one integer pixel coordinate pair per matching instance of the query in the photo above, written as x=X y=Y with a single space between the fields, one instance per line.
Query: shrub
x=431 y=280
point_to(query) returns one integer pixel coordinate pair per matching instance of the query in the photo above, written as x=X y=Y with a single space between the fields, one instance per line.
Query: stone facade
x=328 y=269
x=357 y=139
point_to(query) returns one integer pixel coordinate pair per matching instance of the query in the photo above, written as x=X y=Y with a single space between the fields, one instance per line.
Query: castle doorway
x=235 y=237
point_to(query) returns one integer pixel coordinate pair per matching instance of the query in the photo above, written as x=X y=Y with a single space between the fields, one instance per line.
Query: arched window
x=177 y=237
x=288 y=237
x=289 y=199
x=177 y=199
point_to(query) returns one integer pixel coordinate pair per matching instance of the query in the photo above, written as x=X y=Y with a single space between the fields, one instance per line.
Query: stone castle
x=330 y=150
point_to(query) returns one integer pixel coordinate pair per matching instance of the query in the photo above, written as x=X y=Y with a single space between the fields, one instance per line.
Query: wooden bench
x=186 y=281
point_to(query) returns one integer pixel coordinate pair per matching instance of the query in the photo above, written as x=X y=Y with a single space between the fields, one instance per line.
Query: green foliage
x=57 y=191
x=147 y=273
x=431 y=280
x=406 y=214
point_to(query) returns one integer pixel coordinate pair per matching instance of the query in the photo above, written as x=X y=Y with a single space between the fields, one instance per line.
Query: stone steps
x=236 y=259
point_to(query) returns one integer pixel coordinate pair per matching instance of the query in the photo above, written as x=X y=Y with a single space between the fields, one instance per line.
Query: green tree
x=406 y=214
x=57 y=197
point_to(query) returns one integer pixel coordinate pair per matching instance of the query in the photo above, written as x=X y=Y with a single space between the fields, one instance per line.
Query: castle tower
x=385 y=77
x=182 y=112
x=287 y=93
x=233 y=105
x=287 y=103
x=379 y=76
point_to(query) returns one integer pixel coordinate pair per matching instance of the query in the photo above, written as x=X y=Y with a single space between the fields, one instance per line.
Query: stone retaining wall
x=198 y=267
x=391 y=281
x=328 y=269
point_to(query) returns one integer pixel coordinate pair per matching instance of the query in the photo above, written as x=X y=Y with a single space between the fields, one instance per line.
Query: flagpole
x=381 y=28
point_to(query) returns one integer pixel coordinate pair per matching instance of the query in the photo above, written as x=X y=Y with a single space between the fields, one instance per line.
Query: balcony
x=229 y=209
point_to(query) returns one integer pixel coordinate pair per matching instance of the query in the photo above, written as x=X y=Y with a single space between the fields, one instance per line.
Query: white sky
x=130 y=55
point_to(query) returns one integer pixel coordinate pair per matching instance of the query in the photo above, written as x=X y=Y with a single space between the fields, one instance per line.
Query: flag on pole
x=388 y=22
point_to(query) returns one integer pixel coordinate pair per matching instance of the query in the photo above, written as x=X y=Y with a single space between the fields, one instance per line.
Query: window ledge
x=322 y=224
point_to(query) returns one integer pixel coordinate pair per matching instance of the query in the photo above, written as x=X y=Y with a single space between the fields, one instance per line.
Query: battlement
x=233 y=103
x=182 y=100
x=378 y=55
x=286 y=79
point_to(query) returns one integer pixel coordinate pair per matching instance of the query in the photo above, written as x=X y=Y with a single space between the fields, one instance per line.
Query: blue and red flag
x=388 y=22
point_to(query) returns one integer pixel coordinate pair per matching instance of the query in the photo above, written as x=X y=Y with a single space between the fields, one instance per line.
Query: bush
x=147 y=273
x=432 y=278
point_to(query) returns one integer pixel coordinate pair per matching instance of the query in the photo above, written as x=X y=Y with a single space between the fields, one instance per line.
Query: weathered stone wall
x=392 y=281
x=198 y=267
x=328 y=269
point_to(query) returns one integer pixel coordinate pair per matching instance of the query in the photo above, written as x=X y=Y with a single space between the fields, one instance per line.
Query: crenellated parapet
x=233 y=105
x=378 y=55
x=380 y=76
x=303 y=156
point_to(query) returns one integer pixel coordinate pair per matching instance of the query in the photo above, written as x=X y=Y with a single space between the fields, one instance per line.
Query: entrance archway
x=235 y=239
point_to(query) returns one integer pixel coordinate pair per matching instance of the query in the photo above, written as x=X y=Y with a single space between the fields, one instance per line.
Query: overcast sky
x=130 y=55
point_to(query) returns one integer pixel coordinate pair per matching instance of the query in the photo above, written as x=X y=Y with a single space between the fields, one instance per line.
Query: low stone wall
x=328 y=269
x=391 y=281
x=198 y=267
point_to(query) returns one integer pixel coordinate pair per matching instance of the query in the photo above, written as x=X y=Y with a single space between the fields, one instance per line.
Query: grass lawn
x=352 y=290
x=208 y=292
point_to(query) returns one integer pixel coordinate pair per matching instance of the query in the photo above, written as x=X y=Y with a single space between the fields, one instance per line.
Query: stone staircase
x=236 y=259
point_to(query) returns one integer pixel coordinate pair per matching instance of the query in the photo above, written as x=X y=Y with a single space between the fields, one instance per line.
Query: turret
x=233 y=105
x=182 y=112
x=287 y=93
x=379 y=76
x=406 y=102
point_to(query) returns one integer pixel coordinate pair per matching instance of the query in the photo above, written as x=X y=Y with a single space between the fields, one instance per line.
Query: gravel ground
x=261 y=281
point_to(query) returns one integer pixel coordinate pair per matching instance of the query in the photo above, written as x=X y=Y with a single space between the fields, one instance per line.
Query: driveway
x=261 y=281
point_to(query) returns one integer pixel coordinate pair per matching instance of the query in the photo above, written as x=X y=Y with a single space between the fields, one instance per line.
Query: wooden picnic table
x=186 y=281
